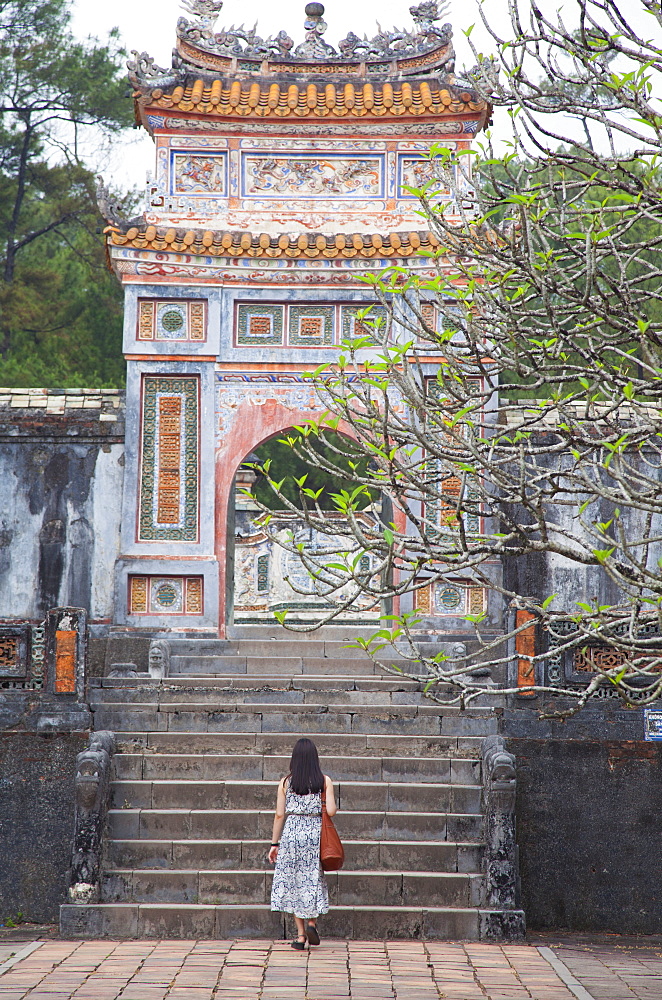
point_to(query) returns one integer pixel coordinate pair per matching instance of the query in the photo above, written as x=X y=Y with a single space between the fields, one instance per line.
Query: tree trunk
x=10 y=254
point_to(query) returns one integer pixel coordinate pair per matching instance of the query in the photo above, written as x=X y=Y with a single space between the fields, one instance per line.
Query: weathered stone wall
x=61 y=469
x=589 y=820
x=36 y=822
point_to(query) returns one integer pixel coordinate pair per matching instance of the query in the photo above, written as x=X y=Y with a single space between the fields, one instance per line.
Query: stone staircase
x=194 y=782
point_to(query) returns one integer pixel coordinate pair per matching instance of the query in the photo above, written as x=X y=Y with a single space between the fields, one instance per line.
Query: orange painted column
x=65 y=662
x=525 y=647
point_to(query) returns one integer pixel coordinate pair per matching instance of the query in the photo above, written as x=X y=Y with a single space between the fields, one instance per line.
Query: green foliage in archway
x=287 y=465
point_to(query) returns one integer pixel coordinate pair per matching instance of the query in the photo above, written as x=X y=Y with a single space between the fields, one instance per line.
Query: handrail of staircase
x=93 y=772
x=503 y=919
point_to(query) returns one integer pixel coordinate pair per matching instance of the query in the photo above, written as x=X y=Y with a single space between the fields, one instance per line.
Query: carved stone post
x=502 y=920
x=93 y=767
x=158 y=660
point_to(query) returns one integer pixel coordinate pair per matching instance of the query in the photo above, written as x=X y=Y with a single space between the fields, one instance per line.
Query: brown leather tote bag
x=332 y=853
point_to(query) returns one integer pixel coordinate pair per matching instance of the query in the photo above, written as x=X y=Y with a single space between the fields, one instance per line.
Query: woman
x=299 y=885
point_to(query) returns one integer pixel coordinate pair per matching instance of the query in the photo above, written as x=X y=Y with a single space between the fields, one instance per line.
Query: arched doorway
x=247 y=416
x=269 y=577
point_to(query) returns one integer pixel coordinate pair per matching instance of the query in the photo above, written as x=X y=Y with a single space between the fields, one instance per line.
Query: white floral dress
x=299 y=885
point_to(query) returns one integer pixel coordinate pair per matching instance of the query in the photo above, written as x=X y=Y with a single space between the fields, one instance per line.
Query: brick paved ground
x=259 y=970
x=611 y=972
x=338 y=970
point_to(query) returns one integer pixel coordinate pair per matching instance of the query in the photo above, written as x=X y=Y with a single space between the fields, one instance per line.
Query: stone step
x=250 y=854
x=219 y=666
x=275 y=717
x=346 y=888
x=397 y=796
x=256 y=682
x=199 y=698
x=218 y=824
x=124 y=921
x=339 y=648
x=346 y=744
x=262 y=767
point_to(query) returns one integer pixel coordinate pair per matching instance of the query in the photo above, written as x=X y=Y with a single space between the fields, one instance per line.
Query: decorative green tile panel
x=259 y=324
x=351 y=327
x=169 y=467
x=311 y=326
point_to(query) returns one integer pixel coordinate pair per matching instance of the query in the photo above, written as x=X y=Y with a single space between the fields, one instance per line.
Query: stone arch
x=251 y=425
x=253 y=420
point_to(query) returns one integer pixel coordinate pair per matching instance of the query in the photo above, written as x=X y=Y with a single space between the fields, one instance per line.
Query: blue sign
x=653 y=723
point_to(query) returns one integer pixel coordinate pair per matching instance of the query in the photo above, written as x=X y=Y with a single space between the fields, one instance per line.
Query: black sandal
x=311 y=934
x=298 y=945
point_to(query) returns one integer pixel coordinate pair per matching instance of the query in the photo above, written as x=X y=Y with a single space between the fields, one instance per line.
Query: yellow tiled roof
x=263 y=99
x=242 y=244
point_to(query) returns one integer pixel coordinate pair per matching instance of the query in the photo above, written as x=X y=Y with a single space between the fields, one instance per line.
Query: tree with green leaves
x=510 y=404
x=56 y=95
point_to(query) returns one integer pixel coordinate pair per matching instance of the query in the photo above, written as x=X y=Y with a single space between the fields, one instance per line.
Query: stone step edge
x=367 y=873
x=272 y=783
x=205 y=921
x=141 y=740
x=259 y=680
x=378 y=710
x=331 y=708
x=120 y=811
x=346 y=840
x=137 y=733
x=282 y=756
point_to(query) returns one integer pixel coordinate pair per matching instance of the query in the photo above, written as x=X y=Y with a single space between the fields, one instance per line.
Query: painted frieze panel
x=311 y=326
x=415 y=172
x=280 y=128
x=319 y=145
x=265 y=271
x=236 y=390
x=312 y=176
x=169 y=468
x=173 y=319
x=258 y=324
x=201 y=173
x=165 y=595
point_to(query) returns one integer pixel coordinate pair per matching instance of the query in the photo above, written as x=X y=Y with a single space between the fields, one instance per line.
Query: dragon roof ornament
x=200 y=46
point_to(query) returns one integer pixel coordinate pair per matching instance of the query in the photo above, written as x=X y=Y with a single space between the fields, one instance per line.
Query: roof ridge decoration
x=425 y=46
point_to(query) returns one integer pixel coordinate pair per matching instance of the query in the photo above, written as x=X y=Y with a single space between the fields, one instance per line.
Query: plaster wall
x=61 y=483
x=543 y=574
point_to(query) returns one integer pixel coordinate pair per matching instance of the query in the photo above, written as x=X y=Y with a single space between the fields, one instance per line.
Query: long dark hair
x=305 y=772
